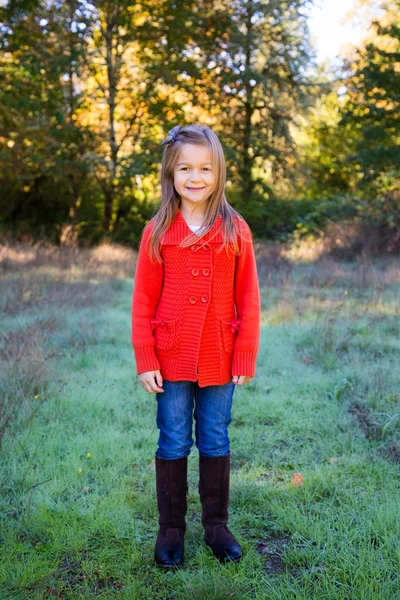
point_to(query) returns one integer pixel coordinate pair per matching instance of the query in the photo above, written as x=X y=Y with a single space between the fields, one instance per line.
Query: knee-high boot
x=172 y=488
x=214 y=475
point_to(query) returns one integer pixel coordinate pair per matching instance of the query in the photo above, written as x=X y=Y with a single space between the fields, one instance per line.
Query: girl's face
x=193 y=174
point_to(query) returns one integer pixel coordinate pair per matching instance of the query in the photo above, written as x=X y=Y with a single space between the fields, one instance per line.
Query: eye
x=183 y=168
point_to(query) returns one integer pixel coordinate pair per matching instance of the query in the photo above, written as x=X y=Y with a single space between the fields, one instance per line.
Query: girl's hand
x=147 y=381
x=241 y=379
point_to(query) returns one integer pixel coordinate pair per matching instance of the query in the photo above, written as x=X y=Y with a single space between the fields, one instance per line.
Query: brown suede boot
x=172 y=487
x=214 y=496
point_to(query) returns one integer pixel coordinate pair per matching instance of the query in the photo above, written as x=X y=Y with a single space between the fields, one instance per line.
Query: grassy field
x=78 y=437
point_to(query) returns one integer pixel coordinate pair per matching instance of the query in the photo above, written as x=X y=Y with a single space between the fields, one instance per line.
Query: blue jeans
x=212 y=413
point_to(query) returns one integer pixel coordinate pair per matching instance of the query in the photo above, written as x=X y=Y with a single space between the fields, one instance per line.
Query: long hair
x=215 y=204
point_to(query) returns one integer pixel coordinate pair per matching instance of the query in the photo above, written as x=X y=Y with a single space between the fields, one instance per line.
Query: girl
x=195 y=334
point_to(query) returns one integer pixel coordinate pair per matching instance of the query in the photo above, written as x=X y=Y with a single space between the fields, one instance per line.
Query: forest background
x=90 y=89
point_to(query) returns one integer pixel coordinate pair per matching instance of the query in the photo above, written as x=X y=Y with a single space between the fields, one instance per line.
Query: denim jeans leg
x=212 y=413
x=174 y=419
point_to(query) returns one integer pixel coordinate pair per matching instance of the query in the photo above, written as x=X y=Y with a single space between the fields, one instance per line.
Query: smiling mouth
x=195 y=189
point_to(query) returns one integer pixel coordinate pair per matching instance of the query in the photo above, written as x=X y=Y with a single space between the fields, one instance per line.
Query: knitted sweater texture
x=196 y=316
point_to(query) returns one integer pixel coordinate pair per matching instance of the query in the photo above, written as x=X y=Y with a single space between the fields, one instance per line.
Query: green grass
x=323 y=403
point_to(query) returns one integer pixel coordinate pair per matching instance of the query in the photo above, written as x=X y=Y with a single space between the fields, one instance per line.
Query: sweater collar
x=179 y=230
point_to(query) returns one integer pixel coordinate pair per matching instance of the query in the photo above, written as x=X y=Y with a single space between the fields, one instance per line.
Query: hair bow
x=172 y=135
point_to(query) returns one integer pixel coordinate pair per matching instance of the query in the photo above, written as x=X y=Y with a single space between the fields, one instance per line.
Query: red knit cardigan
x=196 y=316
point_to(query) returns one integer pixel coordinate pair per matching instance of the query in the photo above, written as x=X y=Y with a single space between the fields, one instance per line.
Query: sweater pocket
x=164 y=333
x=229 y=329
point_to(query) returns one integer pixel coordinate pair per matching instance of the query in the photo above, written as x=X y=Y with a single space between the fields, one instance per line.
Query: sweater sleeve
x=248 y=307
x=146 y=294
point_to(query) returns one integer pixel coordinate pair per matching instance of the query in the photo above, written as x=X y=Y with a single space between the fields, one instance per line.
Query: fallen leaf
x=297 y=479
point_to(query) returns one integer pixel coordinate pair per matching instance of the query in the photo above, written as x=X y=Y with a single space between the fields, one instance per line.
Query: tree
x=373 y=91
x=42 y=143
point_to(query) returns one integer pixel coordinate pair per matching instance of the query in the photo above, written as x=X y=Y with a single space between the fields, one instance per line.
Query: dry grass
x=24 y=366
x=106 y=260
x=347 y=241
x=63 y=276
x=39 y=284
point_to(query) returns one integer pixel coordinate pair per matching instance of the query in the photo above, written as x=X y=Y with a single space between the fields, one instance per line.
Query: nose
x=195 y=177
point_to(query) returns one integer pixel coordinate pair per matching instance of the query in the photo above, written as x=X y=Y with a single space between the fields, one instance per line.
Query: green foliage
x=373 y=105
x=88 y=92
x=383 y=210
x=324 y=168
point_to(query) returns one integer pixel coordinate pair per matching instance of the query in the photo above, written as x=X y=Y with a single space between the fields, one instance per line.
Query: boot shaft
x=171 y=489
x=214 y=481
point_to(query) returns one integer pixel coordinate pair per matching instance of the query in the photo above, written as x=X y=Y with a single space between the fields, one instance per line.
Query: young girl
x=195 y=334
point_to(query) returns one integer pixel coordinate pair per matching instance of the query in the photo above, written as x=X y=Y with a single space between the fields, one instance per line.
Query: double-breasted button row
x=195 y=247
x=205 y=272
x=193 y=299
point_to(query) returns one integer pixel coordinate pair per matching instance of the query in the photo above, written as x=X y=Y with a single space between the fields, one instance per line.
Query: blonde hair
x=216 y=203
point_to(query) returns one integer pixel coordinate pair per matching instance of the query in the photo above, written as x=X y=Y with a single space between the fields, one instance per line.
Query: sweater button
x=204 y=298
x=206 y=272
x=195 y=272
x=194 y=248
x=206 y=247
x=192 y=299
